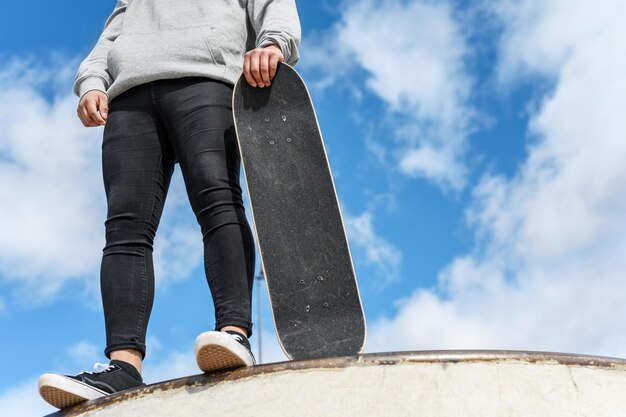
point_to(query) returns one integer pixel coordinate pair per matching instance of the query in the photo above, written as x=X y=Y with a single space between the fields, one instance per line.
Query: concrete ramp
x=423 y=384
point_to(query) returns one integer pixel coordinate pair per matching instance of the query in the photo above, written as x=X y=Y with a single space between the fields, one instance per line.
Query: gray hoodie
x=146 y=40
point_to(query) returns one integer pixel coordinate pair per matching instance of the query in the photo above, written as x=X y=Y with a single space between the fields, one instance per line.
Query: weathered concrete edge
x=367 y=359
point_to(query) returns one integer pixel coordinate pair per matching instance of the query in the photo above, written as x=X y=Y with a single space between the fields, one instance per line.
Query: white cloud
x=379 y=253
x=413 y=54
x=178 y=247
x=23 y=400
x=547 y=271
x=541 y=37
x=52 y=196
x=49 y=189
x=83 y=354
x=175 y=365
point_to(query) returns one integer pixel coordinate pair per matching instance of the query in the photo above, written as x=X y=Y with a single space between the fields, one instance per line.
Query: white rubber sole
x=62 y=392
x=217 y=350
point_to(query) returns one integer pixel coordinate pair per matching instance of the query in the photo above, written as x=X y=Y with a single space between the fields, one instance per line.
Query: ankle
x=237 y=329
x=130 y=356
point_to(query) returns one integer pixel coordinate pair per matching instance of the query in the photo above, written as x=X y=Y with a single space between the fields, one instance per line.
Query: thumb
x=104 y=107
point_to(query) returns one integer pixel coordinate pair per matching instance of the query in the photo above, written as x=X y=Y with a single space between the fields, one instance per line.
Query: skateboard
x=303 y=246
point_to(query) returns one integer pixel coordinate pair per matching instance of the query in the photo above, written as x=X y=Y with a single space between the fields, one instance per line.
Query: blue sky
x=477 y=150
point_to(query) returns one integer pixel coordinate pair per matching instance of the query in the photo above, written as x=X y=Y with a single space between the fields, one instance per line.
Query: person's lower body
x=149 y=129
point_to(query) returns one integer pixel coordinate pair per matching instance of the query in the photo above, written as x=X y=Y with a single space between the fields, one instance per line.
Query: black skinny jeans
x=149 y=129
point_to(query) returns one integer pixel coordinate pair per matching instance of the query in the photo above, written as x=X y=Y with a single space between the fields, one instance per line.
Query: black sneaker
x=216 y=350
x=64 y=391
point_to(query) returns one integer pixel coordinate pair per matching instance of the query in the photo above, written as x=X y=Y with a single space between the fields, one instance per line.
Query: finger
x=264 y=63
x=104 y=107
x=274 y=59
x=86 y=113
x=246 y=71
x=92 y=109
x=84 y=116
x=254 y=69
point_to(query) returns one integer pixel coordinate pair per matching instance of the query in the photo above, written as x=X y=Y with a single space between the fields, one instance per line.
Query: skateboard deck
x=303 y=246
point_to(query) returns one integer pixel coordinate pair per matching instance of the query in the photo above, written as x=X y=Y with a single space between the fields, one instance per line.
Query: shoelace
x=102 y=367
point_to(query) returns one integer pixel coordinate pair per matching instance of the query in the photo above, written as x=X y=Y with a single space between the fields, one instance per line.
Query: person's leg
x=198 y=116
x=137 y=164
